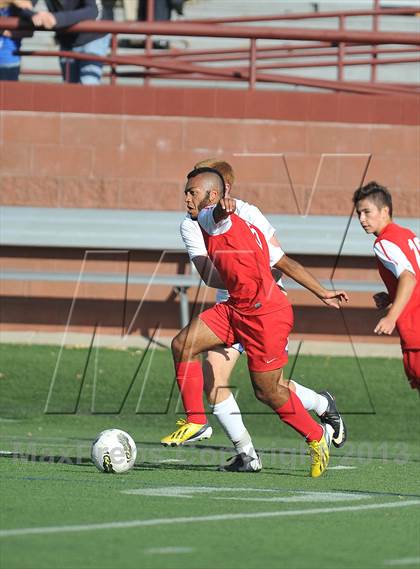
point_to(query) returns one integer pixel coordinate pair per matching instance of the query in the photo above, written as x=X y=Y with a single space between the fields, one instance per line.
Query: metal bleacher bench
x=104 y=229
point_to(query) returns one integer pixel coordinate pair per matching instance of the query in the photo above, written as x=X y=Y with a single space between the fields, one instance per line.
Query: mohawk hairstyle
x=224 y=168
x=204 y=170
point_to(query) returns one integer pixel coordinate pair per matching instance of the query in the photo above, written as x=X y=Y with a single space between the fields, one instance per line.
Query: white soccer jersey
x=392 y=257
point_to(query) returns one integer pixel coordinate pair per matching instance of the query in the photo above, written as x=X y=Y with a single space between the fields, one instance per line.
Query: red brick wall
x=70 y=160
x=81 y=158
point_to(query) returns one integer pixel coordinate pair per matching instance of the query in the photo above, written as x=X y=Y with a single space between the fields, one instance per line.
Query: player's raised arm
x=298 y=273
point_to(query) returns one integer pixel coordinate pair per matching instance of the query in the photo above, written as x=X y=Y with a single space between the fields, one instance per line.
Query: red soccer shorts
x=264 y=337
x=411 y=359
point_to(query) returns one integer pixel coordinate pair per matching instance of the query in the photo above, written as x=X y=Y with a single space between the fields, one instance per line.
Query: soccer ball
x=113 y=451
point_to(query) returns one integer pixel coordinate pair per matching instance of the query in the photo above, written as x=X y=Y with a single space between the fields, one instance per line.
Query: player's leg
x=270 y=389
x=192 y=340
x=324 y=405
x=411 y=360
x=217 y=367
x=265 y=339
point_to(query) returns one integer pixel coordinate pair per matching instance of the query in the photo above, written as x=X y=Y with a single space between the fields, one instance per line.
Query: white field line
x=168 y=550
x=298 y=496
x=198 y=519
x=342 y=467
x=406 y=561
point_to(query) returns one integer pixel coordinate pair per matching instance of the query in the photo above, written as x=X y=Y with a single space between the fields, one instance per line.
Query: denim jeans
x=86 y=72
x=9 y=73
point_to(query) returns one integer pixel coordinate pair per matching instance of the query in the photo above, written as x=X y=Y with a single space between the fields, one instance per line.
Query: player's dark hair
x=204 y=170
x=380 y=195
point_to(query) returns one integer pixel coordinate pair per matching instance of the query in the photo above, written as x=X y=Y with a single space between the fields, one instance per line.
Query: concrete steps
x=195 y=9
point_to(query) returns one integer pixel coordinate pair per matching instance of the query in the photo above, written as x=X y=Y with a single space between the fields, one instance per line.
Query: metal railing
x=292 y=49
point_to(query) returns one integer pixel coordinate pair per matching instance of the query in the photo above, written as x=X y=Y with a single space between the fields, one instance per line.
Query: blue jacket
x=8 y=46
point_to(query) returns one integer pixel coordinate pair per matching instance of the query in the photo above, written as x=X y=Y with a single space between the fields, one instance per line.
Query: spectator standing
x=65 y=13
x=108 y=9
x=162 y=11
x=10 y=41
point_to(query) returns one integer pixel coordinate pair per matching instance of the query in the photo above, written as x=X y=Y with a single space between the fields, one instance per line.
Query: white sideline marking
x=196 y=519
x=302 y=497
x=170 y=460
x=342 y=467
x=168 y=550
x=297 y=496
x=405 y=561
x=187 y=491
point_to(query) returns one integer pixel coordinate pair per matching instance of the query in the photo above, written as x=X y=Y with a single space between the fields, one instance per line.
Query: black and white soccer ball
x=114 y=451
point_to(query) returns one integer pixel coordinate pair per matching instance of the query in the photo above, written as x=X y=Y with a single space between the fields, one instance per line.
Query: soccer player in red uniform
x=218 y=363
x=257 y=314
x=397 y=251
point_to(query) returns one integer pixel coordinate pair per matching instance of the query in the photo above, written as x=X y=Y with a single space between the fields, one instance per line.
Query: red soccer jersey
x=397 y=249
x=240 y=253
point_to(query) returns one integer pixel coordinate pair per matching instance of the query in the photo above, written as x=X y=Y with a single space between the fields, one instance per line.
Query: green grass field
x=174 y=509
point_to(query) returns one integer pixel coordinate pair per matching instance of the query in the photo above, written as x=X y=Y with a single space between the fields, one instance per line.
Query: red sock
x=189 y=376
x=294 y=414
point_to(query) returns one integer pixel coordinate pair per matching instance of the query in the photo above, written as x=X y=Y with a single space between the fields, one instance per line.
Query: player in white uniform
x=220 y=362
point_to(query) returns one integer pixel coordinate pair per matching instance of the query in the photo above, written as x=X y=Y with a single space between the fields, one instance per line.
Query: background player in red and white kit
x=257 y=314
x=397 y=251
x=220 y=361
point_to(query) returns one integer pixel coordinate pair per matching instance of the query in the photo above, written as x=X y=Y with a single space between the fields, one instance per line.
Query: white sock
x=230 y=418
x=244 y=444
x=311 y=400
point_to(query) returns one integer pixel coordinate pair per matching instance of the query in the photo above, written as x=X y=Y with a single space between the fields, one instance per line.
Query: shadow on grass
x=146 y=465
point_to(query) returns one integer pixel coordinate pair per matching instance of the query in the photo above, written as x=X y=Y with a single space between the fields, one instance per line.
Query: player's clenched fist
x=385 y=325
x=224 y=208
x=228 y=204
